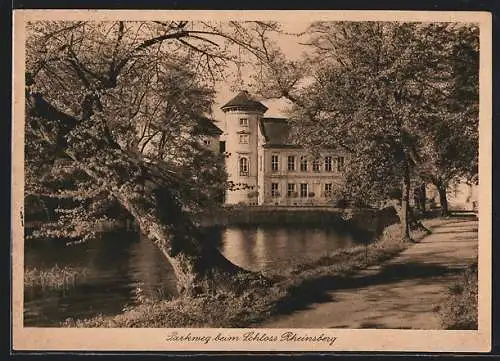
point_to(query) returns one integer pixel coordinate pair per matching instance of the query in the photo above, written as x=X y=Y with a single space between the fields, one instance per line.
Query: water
x=121 y=268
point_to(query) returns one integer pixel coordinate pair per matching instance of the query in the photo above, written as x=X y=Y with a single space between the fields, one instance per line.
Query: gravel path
x=402 y=293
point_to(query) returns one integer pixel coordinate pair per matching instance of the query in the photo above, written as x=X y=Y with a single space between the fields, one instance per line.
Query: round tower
x=242 y=117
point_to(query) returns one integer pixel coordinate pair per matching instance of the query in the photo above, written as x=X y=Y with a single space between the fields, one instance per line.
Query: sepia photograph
x=257 y=181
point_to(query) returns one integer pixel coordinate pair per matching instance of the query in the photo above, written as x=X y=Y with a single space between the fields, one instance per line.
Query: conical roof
x=244 y=100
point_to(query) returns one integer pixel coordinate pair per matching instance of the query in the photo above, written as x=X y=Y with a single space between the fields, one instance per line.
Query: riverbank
x=405 y=293
x=291 y=290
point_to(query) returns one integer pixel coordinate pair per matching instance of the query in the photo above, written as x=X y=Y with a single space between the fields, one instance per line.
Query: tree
x=111 y=114
x=451 y=152
x=372 y=88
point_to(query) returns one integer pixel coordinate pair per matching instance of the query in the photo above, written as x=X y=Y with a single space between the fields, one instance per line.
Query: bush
x=459 y=310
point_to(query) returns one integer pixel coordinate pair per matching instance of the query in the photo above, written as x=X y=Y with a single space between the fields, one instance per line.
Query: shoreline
x=258 y=304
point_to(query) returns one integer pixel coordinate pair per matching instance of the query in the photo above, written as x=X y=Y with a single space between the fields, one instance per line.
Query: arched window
x=243 y=166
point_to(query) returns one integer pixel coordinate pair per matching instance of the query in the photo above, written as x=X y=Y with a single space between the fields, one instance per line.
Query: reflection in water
x=274 y=249
x=116 y=267
x=121 y=267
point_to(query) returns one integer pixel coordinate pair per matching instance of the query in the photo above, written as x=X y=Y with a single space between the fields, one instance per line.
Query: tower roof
x=244 y=100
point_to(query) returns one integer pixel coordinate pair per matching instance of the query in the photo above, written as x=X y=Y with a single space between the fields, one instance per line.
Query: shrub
x=459 y=310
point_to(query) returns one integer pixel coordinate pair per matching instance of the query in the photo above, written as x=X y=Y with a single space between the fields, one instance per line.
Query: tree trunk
x=423 y=198
x=199 y=268
x=405 y=200
x=443 y=200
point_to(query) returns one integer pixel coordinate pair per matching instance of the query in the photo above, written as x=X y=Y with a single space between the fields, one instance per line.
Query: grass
x=459 y=310
x=296 y=287
x=55 y=278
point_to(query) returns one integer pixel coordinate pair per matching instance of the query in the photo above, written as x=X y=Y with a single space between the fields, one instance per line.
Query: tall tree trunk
x=405 y=200
x=199 y=267
x=443 y=200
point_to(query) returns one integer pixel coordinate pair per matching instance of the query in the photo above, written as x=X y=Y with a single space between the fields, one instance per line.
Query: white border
x=100 y=339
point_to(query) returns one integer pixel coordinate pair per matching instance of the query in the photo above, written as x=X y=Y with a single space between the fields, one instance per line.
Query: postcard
x=251 y=180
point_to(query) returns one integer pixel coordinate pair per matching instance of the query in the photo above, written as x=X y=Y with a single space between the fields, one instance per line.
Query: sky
x=292 y=49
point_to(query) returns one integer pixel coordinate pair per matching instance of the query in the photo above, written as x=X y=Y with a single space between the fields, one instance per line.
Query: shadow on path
x=318 y=290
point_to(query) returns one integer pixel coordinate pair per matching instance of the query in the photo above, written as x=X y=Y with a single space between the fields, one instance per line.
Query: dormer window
x=243 y=122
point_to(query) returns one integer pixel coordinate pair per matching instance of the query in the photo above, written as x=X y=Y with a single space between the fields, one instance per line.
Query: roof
x=206 y=126
x=276 y=131
x=244 y=100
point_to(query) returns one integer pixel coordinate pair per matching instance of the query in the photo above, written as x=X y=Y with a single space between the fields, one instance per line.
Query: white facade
x=265 y=169
x=241 y=145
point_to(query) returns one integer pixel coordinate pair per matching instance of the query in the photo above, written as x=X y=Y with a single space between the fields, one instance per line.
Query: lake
x=123 y=267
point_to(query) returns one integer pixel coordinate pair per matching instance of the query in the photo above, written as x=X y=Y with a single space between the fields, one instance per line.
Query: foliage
x=387 y=93
x=451 y=152
x=123 y=96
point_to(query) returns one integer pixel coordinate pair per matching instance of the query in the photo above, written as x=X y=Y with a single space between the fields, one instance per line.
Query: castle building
x=266 y=167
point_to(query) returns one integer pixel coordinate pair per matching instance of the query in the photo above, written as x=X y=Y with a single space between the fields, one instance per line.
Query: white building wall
x=315 y=180
x=237 y=150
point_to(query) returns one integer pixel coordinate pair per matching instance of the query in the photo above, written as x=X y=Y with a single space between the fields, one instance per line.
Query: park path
x=402 y=293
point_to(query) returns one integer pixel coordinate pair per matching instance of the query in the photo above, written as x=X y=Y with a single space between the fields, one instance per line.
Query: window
x=243 y=166
x=328 y=189
x=243 y=138
x=274 y=190
x=291 y=190
x=328 y=164
x=315 y=165
x=207 y=141
x=303 y=164
x=291 y=162
x=340 y=163
x=303 y=190
x=243 y=122
x=274 y=163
